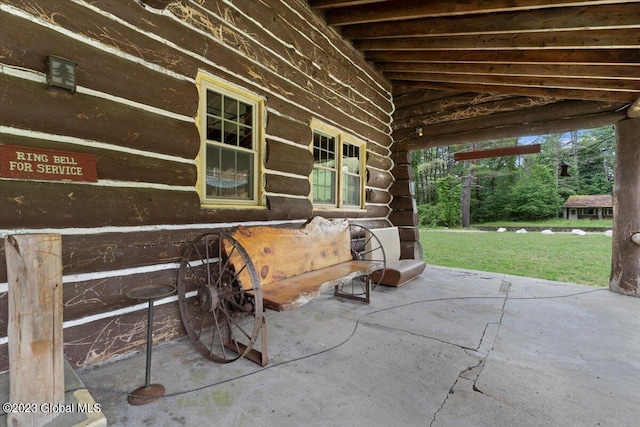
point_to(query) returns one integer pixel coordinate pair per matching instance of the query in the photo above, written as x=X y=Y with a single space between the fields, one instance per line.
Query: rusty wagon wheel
x=365 y=246
x=219 y=297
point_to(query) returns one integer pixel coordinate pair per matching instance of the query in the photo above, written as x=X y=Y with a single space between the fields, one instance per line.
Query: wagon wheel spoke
x=365 y=246
x=219 y=297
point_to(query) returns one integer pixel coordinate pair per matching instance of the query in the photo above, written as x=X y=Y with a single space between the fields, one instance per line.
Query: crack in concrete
x=472 y=373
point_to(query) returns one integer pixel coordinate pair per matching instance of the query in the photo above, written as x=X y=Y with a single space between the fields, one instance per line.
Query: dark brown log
x=625 y=262
x=289 y=208
x=380 y=150
x=428 y=102
x=374 y=211
x=469 y=121
x=266 y=73
x=379 y=179
x=378 y=196
x=401 y=157
x=287 y=185
x=287 y=158
x=104 y=30
x=447 y=111
x=158 y=4
x=96 y=69
x=498 y=152
x=52 y=204
x=404 y=218
x=106 y=338
x=401 y=188
x=290 y=130
x=411 y=250
x=401 y=203
x=114 y=34
x=70 y=114
x=119 y=166
x=86 y=253
x=370 y=211
x=409 y=234
x=92 y=297
x=403 y=171
x=379 y=162
x=336 y=55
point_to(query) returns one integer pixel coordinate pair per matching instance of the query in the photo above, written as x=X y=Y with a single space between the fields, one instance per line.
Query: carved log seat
x=397 y=271
x=295 y=265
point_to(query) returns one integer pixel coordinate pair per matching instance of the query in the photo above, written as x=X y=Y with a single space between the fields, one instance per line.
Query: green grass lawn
x=563 y=257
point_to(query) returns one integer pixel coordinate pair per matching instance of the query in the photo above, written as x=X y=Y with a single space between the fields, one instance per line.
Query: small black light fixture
x=61 y=73
x=564 y=169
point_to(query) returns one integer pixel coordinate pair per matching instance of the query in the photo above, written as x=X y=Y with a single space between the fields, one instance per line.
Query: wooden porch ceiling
x=484 y=69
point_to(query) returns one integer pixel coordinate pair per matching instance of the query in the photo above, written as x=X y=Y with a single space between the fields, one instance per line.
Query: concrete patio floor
x=450 y=348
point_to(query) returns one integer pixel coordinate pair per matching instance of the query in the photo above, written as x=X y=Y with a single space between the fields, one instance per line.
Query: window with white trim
x=228 y=163
x=337 y=180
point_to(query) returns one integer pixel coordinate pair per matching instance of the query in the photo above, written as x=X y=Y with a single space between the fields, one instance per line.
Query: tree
x=534 y=195
x=448 y=206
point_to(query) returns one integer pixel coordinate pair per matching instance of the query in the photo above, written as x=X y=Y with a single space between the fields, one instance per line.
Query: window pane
x=245 y=114
x=230 y=133
x=351 y=158
x=214 y=129
x=229 y=173
x=351 y=190
x=245 y=137
x=324 y=151
x=230 y=108
x=214 y=104
x=324 y=186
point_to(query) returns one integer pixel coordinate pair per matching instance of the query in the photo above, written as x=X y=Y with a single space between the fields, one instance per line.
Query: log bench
x=296 y=265
x=397 y=271
x=227 y=279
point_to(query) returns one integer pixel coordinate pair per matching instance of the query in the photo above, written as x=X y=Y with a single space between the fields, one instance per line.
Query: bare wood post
x=625 y=262
x=36 y=364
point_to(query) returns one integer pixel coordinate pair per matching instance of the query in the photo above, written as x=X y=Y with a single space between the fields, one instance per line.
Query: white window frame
x=341 y=140
x=207 y=83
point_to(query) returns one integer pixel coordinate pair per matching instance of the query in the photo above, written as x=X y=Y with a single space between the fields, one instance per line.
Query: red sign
x=40 y=163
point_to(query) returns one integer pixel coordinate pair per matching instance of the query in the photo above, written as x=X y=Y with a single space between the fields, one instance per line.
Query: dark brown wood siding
x=135 y=109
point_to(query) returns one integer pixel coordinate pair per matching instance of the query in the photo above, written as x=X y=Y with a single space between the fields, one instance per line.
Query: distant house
x=589 y=207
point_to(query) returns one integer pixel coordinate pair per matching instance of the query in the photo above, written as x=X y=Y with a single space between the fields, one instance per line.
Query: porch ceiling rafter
x=565 y=50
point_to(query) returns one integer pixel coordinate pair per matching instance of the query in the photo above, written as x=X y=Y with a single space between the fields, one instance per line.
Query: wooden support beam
x=510 y=131
x=634 y=109
x=355 y=12
x=36 y=360
x=496 y=115
x=530 y=21
x=589 y=38
x=498 y=152
x=625 y=260
x=551 y=82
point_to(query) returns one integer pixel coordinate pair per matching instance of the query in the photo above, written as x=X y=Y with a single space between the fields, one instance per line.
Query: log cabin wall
x=135 y=109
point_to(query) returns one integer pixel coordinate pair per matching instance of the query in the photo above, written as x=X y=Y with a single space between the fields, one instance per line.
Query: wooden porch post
x=625 y=262
x=36 y=364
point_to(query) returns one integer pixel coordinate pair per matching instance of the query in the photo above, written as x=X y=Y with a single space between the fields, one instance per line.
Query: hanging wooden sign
x=39 y=163
x=498 y=152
